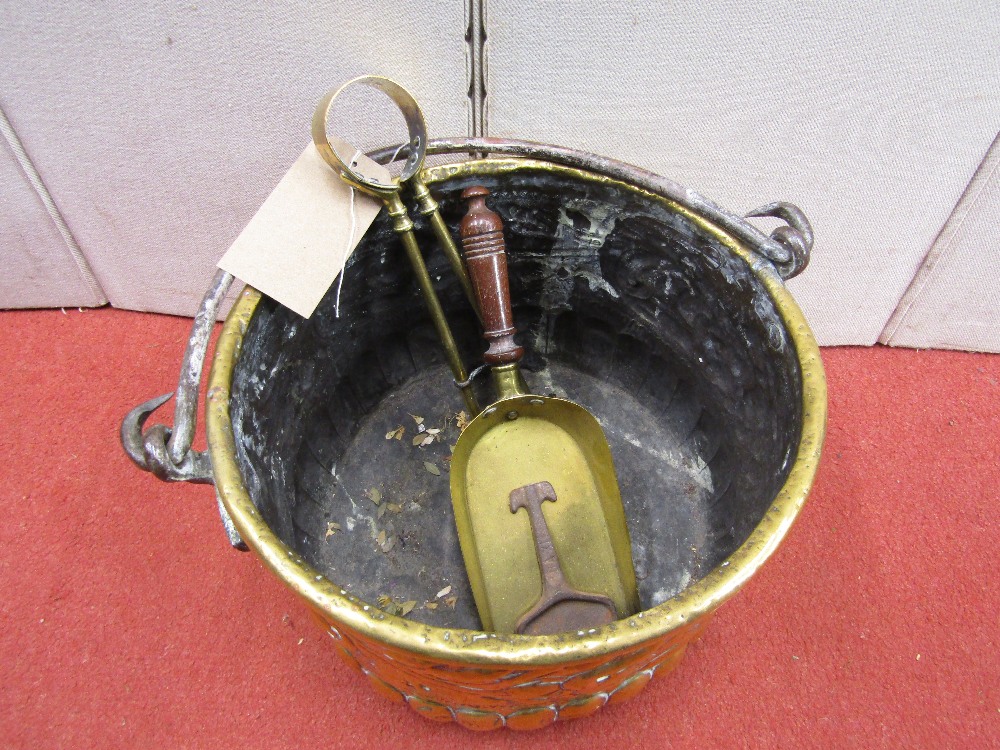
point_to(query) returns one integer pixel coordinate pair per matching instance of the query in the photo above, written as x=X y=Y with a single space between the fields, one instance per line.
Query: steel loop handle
x=796 y=236
x=166 y=451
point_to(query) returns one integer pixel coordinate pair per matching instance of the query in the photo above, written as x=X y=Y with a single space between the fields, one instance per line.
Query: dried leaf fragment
x=443 y=592
x=396 y=434
x=395 y=507
x=331 y=529
x=451 y=601
x=427 y=441
x=433 y=431
x=380 y=539
x=384 y=600
x=432 y=468
x=374 y=495
x=418 y=420
x=461 y=420
x=419 y=438
x=431 y=605
x=381 y=512
x=407 y=608
x=390 y=543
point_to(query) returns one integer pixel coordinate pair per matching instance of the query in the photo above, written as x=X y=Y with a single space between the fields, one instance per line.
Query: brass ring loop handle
x=336 y=152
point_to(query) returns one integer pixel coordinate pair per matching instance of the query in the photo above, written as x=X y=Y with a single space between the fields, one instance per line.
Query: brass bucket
x=666 y=316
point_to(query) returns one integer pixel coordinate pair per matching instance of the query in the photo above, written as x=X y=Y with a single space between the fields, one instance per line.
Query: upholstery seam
x=38 y=185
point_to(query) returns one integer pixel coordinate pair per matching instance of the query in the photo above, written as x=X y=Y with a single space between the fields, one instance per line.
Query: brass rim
x=454 y=644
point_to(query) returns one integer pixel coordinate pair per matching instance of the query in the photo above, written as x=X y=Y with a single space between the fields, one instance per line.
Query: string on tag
x=350 y=246
x=401 y=147
x=350 y=238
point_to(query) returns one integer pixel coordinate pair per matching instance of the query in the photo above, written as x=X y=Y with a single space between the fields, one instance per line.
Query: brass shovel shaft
x=429 y=208
x=404 y=227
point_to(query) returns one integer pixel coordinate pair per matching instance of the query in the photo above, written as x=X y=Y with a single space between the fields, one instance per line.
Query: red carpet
x=127 y=621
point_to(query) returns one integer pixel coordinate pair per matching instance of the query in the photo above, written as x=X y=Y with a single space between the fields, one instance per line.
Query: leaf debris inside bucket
x=394 y=606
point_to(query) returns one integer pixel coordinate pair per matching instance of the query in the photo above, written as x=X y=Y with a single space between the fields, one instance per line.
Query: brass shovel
x=520 y=441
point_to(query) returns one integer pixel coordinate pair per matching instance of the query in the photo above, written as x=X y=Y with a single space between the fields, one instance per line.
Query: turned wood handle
x=486 y=260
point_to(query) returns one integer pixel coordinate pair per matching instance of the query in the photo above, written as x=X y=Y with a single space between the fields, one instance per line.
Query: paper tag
x=300 y=239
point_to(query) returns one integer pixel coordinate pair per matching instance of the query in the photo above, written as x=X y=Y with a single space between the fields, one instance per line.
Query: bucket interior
x=624 y=305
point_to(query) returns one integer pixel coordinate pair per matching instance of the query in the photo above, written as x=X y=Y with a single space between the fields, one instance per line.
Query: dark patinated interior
x=624 y=306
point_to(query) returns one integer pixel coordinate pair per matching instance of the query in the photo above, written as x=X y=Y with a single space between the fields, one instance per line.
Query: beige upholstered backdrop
x=160 y=127
x=954 y=300
x=152 y=132
x=43 y=266
x=871 y=116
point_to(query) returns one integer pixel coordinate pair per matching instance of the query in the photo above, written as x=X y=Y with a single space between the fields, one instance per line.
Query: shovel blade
x=521 y=441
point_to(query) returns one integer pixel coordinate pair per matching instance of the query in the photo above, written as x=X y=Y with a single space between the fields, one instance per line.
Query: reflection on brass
x=523 y=440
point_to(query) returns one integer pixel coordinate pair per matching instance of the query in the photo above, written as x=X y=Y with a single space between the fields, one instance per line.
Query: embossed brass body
x=486 y=680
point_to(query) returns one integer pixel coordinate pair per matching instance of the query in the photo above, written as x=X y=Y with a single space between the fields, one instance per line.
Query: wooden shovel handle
x=486 y=259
